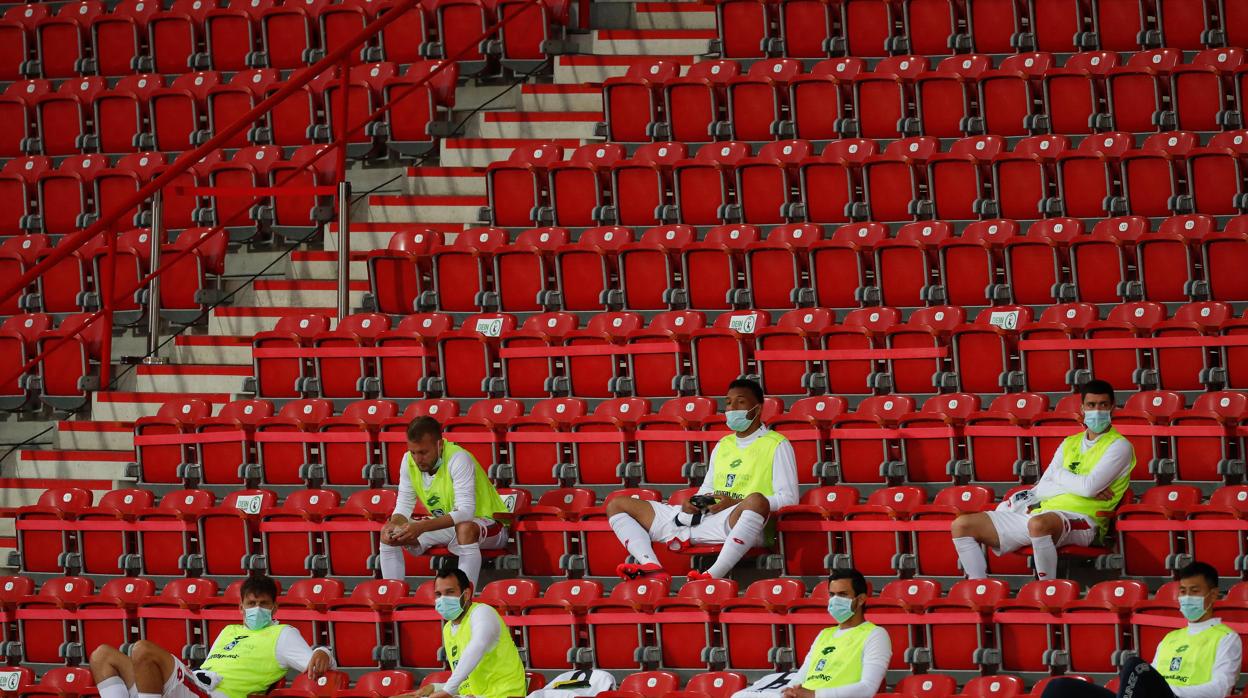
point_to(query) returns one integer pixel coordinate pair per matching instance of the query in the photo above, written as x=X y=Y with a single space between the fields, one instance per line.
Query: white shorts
x=493 y=536
x=711 y=530
x=1011 y=528
x=181 y=684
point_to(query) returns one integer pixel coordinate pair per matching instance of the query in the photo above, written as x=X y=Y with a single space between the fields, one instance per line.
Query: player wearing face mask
x=1200 y=660
x=847 y=660
x=1070 y=505
x=484 y=660
x=245 y=659
x=752 y=472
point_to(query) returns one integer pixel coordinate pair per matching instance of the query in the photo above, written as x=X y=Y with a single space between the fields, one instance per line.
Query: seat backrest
x=710 y=591
x=312 y=501
x=66 y=499
x=184 y=410
x=84 y=88
x=777 y=592
x=1094 y=62
x=508 y=592
x=1057 y=229
x=839 y=68
x=429 y=325
x=953 y=405
x=777 y=69
x=378 y=501
x=197 y=83
x=918 y=148
x=574 y=591
x=889 y=408
x=677 y=322
x=246 y=411
x=192 y=592
x=673 y=237
x=1161 y=60
x=1050 y=593
x=1111 y=145
x=536 y=154
x=1120 y=593
x=851 y=150
x=28 y=327
x=414 y=241
x=1220 y=59
x=1209 y=314
x=67 y=590
x=1193 y=226
x=365 y=325
x=310 y=411
x=655 y=70
x=1178 y=143
x=481 y=239
x=608 y=237
x=717 y=684
x=725 y=152
x=28 y=168
x=187 y=501
x=901 y=498
x=823 y=407
x=807 y=319
x=371 y=412
x=127 y=591
x=551 y=324
x=665 y=153
x=714 y=71
x=598 y=155
x=982 y=148
x=440 y=408
x=569 y=499
x=650 y=683
x=1159 y=404
x=926 y=685
x=497 y=410
x=1224 y=403
x=912 y=592
x=979 y=592
x=311 y=592
x=1077 y=315
x=835 y=498
x=862 y=234
x=906 y=67
x=1031 y=64
x=644 y=592
x=489 y=324
x=560 y=409
x=67 y=680
x=967 y=66
x=939 y=317
x=387 y=682
x=695 y=408
x=997 y=686
x=877 y=319
x=733 y=236
x=543 y=239
x=1180 y=497
x=925 y=232
x=626 y=409
x=744 y=322
x=1001 y=316
x=614 y=324
x=1231 y=497
x=380 y=592
x=1143 y=314
x=127 y=501
x=1042 y=146
x=796 y=234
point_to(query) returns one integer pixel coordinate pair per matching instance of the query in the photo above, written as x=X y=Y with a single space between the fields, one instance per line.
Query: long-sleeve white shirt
x=486 y=629
x=877 y=652
x=293 y=652
x=783 y=471
x=462 y=476
x=1225 y=666
x=1058 y=480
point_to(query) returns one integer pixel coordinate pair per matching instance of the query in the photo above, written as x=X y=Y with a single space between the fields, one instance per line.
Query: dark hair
x=453 y=571
x=1201 y=569
x=421 y=427
x=857 y=581
x=746 y=384
x=258 y=585
x=1097 y=387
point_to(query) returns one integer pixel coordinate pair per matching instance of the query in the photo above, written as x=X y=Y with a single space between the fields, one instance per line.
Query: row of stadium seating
x=623 y=442
x=903 y=96
x=1046 y=626
x=799 y=264
x=748 y=28
x=142 y=36
x=911 y=179
x=565 y=533
x=488 y=356
x=142 y=112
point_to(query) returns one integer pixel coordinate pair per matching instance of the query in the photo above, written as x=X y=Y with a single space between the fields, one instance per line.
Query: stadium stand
x=919 y=224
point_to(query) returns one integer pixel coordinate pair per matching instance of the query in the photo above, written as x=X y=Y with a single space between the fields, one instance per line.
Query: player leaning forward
x=752 y=473
x=456 y=492
x=1070 y=505
x=245 y=658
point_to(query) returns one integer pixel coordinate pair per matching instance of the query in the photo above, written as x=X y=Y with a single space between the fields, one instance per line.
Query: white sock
x=469 y=560
x=971 y=553
x=113 y=687
x=747 y=532
x=634 y=537
x=1045 y=554
x=393 y=566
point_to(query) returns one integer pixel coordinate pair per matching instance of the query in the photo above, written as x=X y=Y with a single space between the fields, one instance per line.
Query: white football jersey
x=574 y=684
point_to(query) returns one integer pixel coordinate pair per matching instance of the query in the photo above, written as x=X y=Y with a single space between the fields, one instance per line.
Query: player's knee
x=964 y=526
x=103 y=657
x=467 y=532
x=757 y=503
x=145 y=651
x=617 y=506
x=1043 y=526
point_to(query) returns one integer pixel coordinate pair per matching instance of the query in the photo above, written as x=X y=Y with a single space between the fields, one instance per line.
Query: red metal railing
x=338 y=58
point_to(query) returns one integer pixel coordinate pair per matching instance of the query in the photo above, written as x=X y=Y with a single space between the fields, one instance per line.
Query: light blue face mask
x=449 y=607
x=1192 y=607
x=840 y=608
x=1097 y=421
x=257 y=618
x=738 y=420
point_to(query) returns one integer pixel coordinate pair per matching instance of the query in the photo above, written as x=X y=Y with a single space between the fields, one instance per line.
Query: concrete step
x=539 y=125
x=674 y=15
x=212 y=349
x=652 y=42
x=191 y=378
x=425 y=209
x=95 y=436
x=375 y=235
x=593 y=70
x=312 y=295
x=127 y=407
x=445 y=181
x=480 y=152
x=246 y=321
x=94 y=470
x=560 y=98
x=321 y=265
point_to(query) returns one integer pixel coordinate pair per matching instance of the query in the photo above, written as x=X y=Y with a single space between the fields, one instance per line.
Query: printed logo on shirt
x=1175 y=663
x=434 y=500
x=821 y=664
x=732 y=477
x=735 y=464
x=233 y=642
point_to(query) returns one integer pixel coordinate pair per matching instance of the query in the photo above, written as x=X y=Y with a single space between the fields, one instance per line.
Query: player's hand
x=1106 y=494
x=441 y=694
x=319 y=664
x=797 y=692
x=688 y=508
x=408 y=533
